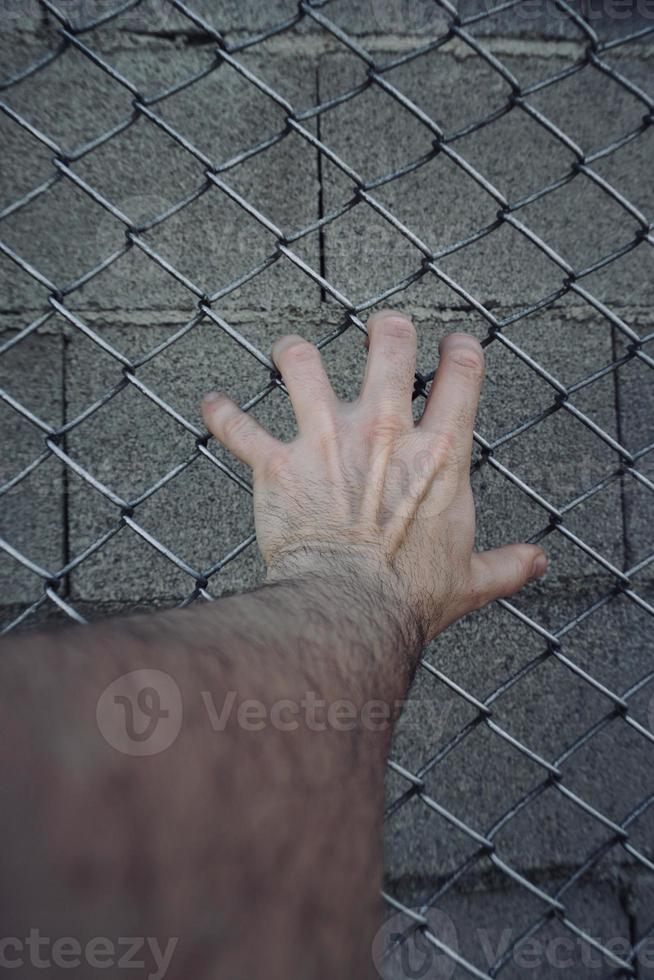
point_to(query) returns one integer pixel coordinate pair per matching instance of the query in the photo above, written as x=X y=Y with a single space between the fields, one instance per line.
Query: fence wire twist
x=67 y=34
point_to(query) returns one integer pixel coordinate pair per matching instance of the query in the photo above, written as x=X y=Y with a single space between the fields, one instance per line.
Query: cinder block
x=51 y=616
x=69 y=98
x=143 y=172
x=33 y=511
x=155 y=16
x=424 y=20
x=131 y=443
x=635 y=381
x=148 y=17
x=31 y=163
x=548 y=709
x=20 y=15
x=485 y=926
x=596 y=110
x=640 y=902
x=543 y=18
x=624 y=169
x=443 y=205
x=594 y=907
x=560 y=457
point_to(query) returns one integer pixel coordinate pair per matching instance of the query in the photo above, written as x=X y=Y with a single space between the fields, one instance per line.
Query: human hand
x=365 y=494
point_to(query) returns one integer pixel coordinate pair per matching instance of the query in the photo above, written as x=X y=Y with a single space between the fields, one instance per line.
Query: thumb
x=503 y=571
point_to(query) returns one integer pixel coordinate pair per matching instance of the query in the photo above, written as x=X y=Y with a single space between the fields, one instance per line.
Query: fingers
x=391 y=365
x=452 y=403
x=236 y=430
x=503 y=571
x=301 y=367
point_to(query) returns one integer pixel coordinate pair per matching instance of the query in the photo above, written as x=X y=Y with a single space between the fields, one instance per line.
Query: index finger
x=454 y=397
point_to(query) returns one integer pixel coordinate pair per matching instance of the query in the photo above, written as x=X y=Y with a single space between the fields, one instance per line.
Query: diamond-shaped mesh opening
x=184 y=181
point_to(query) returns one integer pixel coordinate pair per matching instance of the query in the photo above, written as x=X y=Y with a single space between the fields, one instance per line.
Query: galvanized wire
x=204 y=307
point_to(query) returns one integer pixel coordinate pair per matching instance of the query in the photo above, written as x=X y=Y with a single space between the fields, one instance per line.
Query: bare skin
x=257 y=849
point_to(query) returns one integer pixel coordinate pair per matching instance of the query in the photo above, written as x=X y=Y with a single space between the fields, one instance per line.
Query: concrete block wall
x=135 y=305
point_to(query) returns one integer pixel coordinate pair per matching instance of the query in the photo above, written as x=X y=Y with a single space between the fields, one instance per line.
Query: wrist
x=358 y=595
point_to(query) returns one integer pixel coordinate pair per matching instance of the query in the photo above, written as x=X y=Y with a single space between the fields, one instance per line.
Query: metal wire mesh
x=65 y=33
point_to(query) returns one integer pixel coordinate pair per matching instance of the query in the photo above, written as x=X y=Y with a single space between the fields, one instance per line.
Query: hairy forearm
x=238 y=837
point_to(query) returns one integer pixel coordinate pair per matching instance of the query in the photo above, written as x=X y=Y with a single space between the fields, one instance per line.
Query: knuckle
x=442 y=449
x=478 y=595
x=233 y=426
x=300 y=352
x=395 y=328
x=276 y=463
x=384 y=427
x=523 y=572
x=468 y=359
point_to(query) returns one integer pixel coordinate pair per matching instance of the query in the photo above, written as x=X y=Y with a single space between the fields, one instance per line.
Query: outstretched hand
x=365 y=493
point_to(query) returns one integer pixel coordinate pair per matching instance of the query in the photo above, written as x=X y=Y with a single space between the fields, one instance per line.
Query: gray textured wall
x=57 y=371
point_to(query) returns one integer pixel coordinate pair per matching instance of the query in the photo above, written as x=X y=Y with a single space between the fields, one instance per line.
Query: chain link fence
x=486 y=168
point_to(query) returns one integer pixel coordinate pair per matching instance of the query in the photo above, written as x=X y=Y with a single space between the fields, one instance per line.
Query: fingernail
x=211 y=396
x=539 y=567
